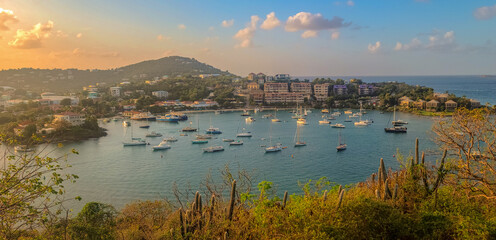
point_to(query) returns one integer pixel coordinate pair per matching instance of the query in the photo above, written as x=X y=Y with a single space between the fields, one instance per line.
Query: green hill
x=70 y=79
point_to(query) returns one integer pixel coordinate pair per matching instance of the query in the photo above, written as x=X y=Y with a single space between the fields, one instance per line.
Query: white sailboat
x=134 y=141
x=361 y=123
x=298 y=143
x=275 y=119
x=341 y=145
x=272 y=148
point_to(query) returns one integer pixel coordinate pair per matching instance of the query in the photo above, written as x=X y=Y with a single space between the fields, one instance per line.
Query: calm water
x=118 y=175
x=477 y=87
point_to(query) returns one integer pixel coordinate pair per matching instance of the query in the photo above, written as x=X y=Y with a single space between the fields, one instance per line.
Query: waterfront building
x=340 y=90
x=301 y=87
x=55 y=100
x=74 y=119
x=115 y=91
x=160 y=94
x=420 y=104
x=321 y=91
x=285 y=97
x=406 y=102
x=441 y=97
x=432 y=105
x=474 y=103
x=257 y=96
x=276 y=87
x=253 y=86
x=450 y=105
x=282 y=77
x=365 y=89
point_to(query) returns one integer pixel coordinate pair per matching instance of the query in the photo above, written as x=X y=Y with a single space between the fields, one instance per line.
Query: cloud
x=6 y=16
x=32 y=38
x=309 y=34
x=246 y=34
x=227 y=23
x=305 y=21
x=79 y=35
x=350 y=3
x=161 y=37
x=181 y=26
x=373 y=48
x=437 y=41
x=482 y=13
x=270 y=22
x=335 y=35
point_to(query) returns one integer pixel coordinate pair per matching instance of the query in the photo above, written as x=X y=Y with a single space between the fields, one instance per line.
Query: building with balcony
x=432 y=105
x=340 y=90
x=276 y=87
x=450 y=105
x=285 y=97
x=253 y=86
x=365 y=89
x=301 y=87
x=74 y=119
x=282 y=77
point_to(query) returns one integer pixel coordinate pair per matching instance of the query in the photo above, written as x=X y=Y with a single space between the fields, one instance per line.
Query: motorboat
x=213 y=149
x=153 y=134
x=244 y=134
x=396 y=129
x=203 y=136
x=236 y=143
x=250 y=119
x=338 y=125
x=276 y=148
x=199 y=141
x=162 y=146
x=212 y=130
x=324 y=121
x=135 y=142
x=227 y=140
x=301 y=121
x=126 y=123
x=170 y=139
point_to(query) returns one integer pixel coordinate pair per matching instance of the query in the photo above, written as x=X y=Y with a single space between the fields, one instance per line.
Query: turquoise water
x=118 y=175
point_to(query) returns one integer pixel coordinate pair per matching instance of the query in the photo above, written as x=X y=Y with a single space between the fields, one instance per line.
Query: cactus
x=423 y=158
x=395 y=191
x=340 y=198
x=387 y=192
x=284 y=199
x=197 y=194
x=339 y=189
x=378 y=194
x=231 y=203
x=212 y=203
x=324 y=198
x=181 y=221
x=382 y=172
x=373 y=177
x=199 y=204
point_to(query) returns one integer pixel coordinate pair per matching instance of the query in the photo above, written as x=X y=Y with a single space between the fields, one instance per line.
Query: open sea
x=111 y=173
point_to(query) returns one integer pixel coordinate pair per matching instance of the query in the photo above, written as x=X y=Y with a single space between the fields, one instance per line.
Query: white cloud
x=309 y=34
x=335 y=35
x=437 y=41
x=270 y=22
x=79 y=35
x=32 y=38
x=227 y=23
x=6 y=16
x=373 y=48
x=316 y=22
x=350 y=3
x=246 y=34
x=485 y=13
x=181 y=26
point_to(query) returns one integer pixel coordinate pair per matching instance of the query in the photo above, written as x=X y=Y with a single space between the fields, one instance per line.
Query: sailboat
x=361 y=123
x=134 y=141
x=200 y=138
x=272 y=148
x=212 y=130
x=298 y=143
x=397 y=122
x=297 y=112
x=275 y=119
x=395 y=129
x=342 y=145
x=162 y=146
x=190 y=128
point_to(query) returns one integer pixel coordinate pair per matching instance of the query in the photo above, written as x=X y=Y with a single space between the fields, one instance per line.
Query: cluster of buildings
x=117 y=92
x=433 y=105
x=261 y=78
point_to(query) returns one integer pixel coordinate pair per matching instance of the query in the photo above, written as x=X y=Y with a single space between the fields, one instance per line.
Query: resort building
x=251 y=76
x=160 y=94
x=450 y=105
x=253 y=86
x=365 y=89
x=420 y=104
x=474 y=103
x=288 y=97
x=115 y=91
x=441 y=97
x=55 y=100
x=340 y=90
x=257 y=96
x=321 y=91
x=282 y=77
x=406 y=102
x=432 y=105
x=301 y=87
x=74 y=119
x=276 y=87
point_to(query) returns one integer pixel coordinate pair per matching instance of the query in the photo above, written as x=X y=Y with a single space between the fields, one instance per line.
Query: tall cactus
x=340 y=198
x=181 y=221
x=416 y=151
x=284 y=199
x=231 y=203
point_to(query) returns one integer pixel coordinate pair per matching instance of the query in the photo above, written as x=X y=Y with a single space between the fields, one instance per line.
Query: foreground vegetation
x=449 y=195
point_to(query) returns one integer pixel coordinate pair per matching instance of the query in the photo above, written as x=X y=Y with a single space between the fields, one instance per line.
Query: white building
x=115 y=91
x=51 y=99
x=74 y=119
x=160 y=94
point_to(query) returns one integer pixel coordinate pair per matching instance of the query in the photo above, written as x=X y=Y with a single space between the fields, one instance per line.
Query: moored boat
x=236 y=143
x=153 y=134
x=213 y=149
x=199 y=141
x=162 y=146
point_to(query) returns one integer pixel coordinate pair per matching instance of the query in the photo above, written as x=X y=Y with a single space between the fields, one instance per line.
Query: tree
x=65 y=102
x=30 y=191
x=91 y=123
x=95 y=221
x=470 y=136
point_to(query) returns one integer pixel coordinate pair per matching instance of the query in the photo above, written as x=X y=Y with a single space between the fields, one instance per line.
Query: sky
x=301 y=38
